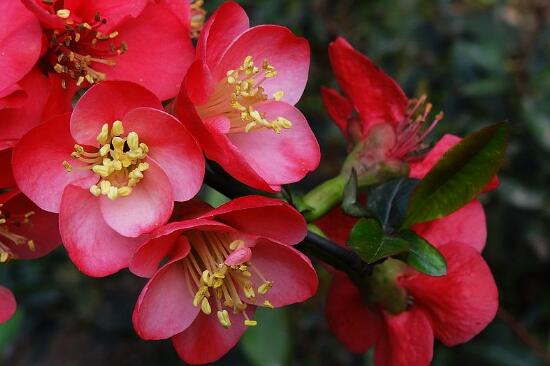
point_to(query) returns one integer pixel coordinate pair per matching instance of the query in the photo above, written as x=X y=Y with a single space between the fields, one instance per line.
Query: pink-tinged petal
x=199 y=84
x=280 y=158
x=107 y=102
x=43 y=13
x=8 y=306
x=14 y=96
x=181 y=9
x=294 y=278
x=221 y=29
x=154 y=37
x=337 y=225
x=20 y=42
x=407 y=341
x=114 y=11
x=352 y=322
x=288 y=53
x=6 y=176
x=95 y=248
x=41 y=227
x=238 y=256
x=338 y=107
x=172 y=147
x=206 y=340
x=165 y=305
x=375 y=95
x=147 y=208
x=15 y=122
x=419 y=169
x=467 y=226
x=60 y=98
x=460 y=304
x=266 y=217
x=148 y=256
x=38 y=164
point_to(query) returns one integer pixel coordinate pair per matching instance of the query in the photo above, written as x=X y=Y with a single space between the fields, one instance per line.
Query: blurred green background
x=480 y=61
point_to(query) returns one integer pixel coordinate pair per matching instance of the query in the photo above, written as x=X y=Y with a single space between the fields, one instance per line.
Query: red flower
x=130 y=162
x=383 y=108
x=222 y=265
x=87 y=42
x=238 y=98
x=7 y=304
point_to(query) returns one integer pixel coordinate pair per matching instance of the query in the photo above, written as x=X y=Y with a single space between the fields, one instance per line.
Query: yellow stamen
x=63 y=13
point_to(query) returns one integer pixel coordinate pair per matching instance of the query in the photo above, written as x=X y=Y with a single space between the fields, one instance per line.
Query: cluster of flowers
x=114 y=176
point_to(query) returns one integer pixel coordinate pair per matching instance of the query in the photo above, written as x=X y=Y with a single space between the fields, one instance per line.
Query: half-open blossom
x=374 y=107
x=222 y=265
x=238 y=100
x=112 y=170
x=90 y=41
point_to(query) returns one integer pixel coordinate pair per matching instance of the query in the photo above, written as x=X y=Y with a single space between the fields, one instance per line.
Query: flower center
x=237 y=94
x=219 y=272
x=6 y=254
x=414 y=128
x=118 y=161
x=73 y=51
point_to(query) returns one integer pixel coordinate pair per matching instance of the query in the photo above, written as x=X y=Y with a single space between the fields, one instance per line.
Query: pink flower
x=238 y=100
x=222 y=265
x=374 y=105
x=87 y=42
x=129 y=161
x=8 y=306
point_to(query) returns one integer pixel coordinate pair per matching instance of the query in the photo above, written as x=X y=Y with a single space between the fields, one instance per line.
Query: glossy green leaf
x=368 y=240
x=423 y=256
x=459 y=176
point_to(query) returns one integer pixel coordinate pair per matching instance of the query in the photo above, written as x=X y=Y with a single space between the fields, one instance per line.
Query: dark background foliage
x=480 y=61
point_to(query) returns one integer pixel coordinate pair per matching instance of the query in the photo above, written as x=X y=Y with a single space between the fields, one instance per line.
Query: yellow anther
x=30 y=244
x=124 y=191
x=80 y=80
x=223 y=318
x=104 y=150
x=249 y=291
x=101 y=170
x=113 y=34
x=133 y=140
x=58 y=68
x=86 y=25
x=68 y=167
x=278 y=95
x=103 y=137
x=264 y=287
x=250 y=323
x=205 y=306
x=4 y=256
x=118 y=143
x=2 y=221
x=205 y=277
x=113 y=193
x=267 y=304
x=77 y=37
x=201 y=294
x=95 y=190
x=236 y=244
x=63 y=13
x=117 y=128
x=89 y=78
x=79 y=149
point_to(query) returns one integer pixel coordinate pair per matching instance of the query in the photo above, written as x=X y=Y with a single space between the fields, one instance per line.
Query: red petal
x=114 y=11
x=376 y=96
x=181 y=9
x=288 y=53
x=165 y=305
x=461 y=304
x=154 y=37
x=266 y=217
x=38 y=164
x=407 y=341
x=206 y=340
x=95 y=248
x=199 y=84
x=42 y=12
x=12 y=97
x=466 y=225
x=6 y=178
x=107 y=102
x=20 y=42
x=337 y=225
x=349 y=318
x=172 y=147
x=147 y=208
x=280 y=158
x=339 y=108
x=8 y=306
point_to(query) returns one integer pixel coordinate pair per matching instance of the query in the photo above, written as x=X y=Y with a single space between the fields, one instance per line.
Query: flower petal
x=460 y=304
x=206 y=340
x=466 y=225
x=172 y=147
x=337 y=225
x=20 y=42
x=266 y=217
x=288 y=53
x=107 y=102
x=38 y=164
x=6 y=178
x=375 y=95
x=198 y=82
x=8 y=306
x=280 y=158
x=147 y=208
x=165 y=305
x=407 y=341
x=114 y=11
x=349 y=318
x=95 y=248
x=339 y=108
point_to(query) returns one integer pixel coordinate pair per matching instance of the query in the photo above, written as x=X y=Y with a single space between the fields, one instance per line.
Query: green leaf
x=459 y=176
x=350 y=205
x=389 y=201
x=423 y=256
x=9 y=329
x=368 y=240
x=268 y=343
